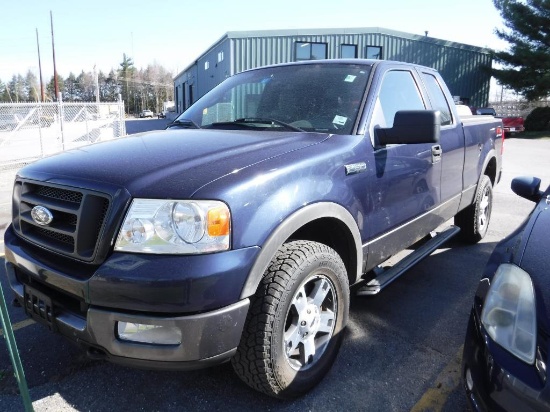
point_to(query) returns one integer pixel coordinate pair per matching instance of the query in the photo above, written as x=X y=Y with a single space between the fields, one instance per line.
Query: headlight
x=175 y=226
x=509 y=314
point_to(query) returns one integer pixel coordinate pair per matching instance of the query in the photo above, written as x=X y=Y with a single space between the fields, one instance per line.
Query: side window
x=437 y=98
x=399 y=91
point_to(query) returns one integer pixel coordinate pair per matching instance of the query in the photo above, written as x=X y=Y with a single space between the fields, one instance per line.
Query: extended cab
x=236 y=233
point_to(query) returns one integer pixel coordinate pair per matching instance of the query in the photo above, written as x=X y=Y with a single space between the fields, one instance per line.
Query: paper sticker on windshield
x=205 y=111
x=350 y=78
x=339 y=120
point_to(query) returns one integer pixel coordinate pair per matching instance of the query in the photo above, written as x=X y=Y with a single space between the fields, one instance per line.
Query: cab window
x=437 y=98
x=399 y=91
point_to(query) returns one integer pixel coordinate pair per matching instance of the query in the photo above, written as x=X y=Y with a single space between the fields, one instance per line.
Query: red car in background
x=511 y=124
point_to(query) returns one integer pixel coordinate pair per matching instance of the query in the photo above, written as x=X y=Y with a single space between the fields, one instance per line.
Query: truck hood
x=170 y=163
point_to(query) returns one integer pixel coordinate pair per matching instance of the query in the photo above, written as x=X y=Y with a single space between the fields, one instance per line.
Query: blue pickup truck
x=238 y=233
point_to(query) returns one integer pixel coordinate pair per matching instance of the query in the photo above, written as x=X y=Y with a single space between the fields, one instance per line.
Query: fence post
x=88 y=137
x=61 y=119
x=121 y=117
x=14 y=353
x=40 y=129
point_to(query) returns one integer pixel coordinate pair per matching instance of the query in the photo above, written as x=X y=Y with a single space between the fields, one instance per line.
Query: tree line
x=139 y=88
x=525 y=66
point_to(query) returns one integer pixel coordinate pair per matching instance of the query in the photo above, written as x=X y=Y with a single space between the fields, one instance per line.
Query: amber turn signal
x=218 y=222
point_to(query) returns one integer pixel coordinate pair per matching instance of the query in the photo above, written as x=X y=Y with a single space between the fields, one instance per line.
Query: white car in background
x=146 y=113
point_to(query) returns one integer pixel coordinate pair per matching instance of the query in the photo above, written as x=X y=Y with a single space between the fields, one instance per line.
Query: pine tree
x=526 y=64
x=50 y=87
x=32 y=88
x=4 y=97
x=70 y=90
x=126 y=73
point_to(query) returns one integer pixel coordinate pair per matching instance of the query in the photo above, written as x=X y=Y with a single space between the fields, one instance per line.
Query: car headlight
x=175 y=226
x=509 y=313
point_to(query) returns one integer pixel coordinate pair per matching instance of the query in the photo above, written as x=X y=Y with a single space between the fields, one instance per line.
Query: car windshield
x=310 y=97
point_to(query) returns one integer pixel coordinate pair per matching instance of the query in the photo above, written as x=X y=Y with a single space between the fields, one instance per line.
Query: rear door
x=406 y=183
x=451 y=141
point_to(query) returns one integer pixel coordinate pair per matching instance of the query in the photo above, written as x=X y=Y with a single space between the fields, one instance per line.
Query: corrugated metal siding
x=463 y=69
x=249 y=53
x=461 y=66
x=200 y=80
x=217 y=71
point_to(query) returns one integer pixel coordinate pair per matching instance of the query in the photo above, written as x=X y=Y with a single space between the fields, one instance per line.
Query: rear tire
x=474 y=220
x=295 y=323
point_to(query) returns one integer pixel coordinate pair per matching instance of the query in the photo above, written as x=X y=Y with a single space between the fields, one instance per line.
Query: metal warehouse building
x=462 y=66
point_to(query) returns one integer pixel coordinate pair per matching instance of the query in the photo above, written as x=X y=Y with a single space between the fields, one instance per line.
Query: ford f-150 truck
x=237 y=233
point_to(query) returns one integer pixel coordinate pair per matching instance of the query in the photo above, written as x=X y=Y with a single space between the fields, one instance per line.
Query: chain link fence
x=29 y=131
x=517 y=108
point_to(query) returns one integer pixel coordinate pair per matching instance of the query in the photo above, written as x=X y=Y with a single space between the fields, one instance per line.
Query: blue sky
x=174 y=33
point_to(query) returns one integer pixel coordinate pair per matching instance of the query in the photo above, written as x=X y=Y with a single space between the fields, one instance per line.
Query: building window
x=206 y=65
x=310 y=51
x=373 y=52
x=348 y=51
x=220 y=56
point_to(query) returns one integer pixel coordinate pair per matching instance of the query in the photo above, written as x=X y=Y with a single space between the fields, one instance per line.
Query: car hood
x=170 y=163
x=535 y=259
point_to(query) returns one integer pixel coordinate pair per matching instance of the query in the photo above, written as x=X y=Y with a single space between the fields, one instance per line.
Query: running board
x=387 y=276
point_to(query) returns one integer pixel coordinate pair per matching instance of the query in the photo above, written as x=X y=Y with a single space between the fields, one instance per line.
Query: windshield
x=321 y=97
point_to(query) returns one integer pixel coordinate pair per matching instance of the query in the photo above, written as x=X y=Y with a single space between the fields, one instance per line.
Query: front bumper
x=491 y=387
x=199 y=297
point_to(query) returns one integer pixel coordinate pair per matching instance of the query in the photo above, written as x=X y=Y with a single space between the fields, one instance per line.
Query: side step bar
x=387 y=276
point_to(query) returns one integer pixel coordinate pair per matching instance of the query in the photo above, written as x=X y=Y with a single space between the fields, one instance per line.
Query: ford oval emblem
x=41 y=215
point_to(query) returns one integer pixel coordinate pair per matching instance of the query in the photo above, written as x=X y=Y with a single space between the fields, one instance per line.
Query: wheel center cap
x=310 y=319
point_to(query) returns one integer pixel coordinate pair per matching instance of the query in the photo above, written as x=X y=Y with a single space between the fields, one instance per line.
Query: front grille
x=61 y=194
x=78 y=217
x=60 y=237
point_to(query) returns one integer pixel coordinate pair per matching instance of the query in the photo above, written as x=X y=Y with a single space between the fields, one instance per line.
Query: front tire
x=474 y=220
x=296 y=320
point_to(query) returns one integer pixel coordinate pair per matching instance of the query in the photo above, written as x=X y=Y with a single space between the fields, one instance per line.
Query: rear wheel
x=474 y=220
x=295 y=323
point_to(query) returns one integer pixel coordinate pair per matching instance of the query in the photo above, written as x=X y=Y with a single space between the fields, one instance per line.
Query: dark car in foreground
x=507 y=341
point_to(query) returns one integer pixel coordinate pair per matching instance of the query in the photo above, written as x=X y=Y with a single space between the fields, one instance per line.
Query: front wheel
x=473 y=221
x=296 y=320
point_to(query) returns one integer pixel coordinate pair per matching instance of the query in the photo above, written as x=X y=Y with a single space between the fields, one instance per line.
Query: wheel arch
x=490 y=167
x=327 y=223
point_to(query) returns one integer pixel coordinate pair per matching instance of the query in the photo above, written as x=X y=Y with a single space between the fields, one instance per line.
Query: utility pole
x=40 y=69
x=56 y=85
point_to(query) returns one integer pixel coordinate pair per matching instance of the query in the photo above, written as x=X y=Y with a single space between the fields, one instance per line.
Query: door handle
x=436 y=154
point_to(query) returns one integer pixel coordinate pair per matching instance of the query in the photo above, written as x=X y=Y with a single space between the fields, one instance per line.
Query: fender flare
x=491 y=154
x=290 y=225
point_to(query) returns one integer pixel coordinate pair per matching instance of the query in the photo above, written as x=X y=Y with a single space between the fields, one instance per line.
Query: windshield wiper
x=259 y=120
x=185 y=123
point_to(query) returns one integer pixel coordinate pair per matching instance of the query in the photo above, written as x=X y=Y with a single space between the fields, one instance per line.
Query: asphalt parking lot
x=402 y=350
